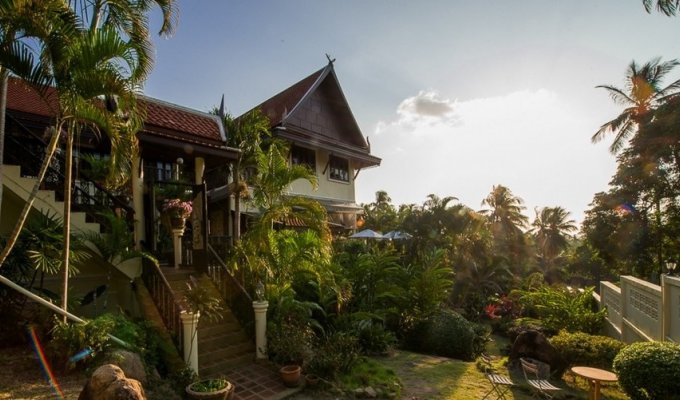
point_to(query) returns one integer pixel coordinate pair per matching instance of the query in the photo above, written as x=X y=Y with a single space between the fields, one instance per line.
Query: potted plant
x=211 y=389
x=177 y=211
x=289 y=345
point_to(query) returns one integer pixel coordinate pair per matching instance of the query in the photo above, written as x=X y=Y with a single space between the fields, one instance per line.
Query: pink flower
x=177 y=208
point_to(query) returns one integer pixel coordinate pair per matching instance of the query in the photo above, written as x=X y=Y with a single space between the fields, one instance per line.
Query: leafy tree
x=668 y=7
x=381 y=215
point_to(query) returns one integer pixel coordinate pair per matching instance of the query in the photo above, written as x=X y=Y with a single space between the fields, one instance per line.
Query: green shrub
x=649 y=370
x=560 y=308
x=448 y=334
x=374 y=338
x=335 y=353
x=69 y=339
x=583 y=349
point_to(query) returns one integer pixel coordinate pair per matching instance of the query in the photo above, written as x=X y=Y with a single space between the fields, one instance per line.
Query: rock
x=370 y=392
x=131 y=364
x=359 y=393
x=108 y=382
x=534 y=344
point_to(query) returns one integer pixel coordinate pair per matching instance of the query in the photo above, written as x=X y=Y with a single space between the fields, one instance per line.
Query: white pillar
x=260 y=308
x=190 y=338
x=199 y=169
x=177 y=245
x=138 y=200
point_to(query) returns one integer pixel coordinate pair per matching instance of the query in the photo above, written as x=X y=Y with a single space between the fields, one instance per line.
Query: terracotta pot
x=312 y=380
x=290 y=374
x=225 y=393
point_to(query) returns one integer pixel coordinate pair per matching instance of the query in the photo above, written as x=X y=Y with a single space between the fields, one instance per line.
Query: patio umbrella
x=367 y=234
x=397 y=235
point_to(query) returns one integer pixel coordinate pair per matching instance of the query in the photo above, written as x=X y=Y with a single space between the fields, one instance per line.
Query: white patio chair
x=540 y=387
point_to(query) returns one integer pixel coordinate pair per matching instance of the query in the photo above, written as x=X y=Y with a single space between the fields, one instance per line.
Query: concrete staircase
x=222 y=344
x=45 y=200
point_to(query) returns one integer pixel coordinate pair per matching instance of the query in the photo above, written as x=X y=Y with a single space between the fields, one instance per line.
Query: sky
x=455 y=96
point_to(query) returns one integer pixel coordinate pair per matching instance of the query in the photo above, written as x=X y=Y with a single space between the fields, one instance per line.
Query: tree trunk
x=11 y=241
x=68 y=179
x=4 y=78
x=237 y=203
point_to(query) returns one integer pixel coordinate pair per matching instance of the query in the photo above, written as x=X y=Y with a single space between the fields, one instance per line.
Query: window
x=339 y=169
x=303 y=156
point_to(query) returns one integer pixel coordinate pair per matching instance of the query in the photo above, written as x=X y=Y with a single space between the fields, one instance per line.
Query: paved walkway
x=258 y=382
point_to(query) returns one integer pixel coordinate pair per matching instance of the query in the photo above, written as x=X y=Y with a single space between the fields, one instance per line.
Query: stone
x=533 y=344
x=108 y=382
x=359 y=393
x=370 y=392
x=131 y=364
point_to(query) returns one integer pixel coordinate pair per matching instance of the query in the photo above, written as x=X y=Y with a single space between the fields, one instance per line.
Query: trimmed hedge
x=583 y=349
x=447 y=333
x=649 y=370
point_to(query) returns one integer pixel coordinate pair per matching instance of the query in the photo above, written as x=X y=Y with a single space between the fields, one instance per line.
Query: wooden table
x=595 y=376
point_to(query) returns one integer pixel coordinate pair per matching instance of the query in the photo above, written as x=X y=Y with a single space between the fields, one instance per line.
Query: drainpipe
x=53 y=307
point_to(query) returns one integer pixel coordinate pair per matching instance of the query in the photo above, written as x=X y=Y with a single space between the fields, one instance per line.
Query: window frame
x=333 y=166
x=305 y=159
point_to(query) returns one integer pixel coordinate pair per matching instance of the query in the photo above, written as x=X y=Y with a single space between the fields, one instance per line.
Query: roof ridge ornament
x=329 y=59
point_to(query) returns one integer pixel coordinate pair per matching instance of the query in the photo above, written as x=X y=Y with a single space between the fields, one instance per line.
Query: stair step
x=215 y=342
x=216 y=369
x=225 y=353
x=217 y=329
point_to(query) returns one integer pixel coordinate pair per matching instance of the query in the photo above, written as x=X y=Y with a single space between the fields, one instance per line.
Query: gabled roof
x=314 y=112
x=162 y=118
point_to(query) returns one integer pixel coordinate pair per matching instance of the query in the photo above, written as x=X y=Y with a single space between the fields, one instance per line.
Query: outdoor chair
x=500 y=384
x=540 y=387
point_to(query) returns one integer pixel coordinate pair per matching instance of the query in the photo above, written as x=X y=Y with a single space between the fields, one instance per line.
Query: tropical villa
x=181 y=151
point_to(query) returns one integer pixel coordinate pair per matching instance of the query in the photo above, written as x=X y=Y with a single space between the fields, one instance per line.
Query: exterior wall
x=328 y=188
x=671 y=300
x=636 y=311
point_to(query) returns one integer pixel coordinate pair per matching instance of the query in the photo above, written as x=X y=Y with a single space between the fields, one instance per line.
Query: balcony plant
x=211 y=389
x=177 y=211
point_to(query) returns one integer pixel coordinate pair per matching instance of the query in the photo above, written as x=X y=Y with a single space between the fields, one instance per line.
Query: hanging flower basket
x=176 y=208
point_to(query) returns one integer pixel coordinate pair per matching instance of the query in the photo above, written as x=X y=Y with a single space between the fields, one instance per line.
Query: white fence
x=638 y=310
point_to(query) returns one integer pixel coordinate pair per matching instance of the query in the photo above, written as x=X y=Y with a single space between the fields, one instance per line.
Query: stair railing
x=236 y=296
x=88 y=196
x=167 y=302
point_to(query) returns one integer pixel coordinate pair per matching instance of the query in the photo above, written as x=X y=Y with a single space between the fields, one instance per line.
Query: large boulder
x=131 y=364
x=108 y=382
x=533 y=344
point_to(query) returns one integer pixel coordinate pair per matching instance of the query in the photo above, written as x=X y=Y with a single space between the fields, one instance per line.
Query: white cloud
x=530 y=141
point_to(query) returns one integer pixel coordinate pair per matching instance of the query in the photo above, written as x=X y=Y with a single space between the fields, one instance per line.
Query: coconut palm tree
x=642 y=93
x=246 y=134
x=551 y=230
x=668 y=7
x=507 y=221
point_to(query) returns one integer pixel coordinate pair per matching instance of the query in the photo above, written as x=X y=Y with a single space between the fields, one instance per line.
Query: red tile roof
x=159 y=114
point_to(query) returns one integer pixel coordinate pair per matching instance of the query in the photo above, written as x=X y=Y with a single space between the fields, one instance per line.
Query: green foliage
x=71 y=338
x=649 y=370
x=209 y=385
x=430 y=281
x=559 y=308
x=374 y=338
x=199 y=300
x=333 y=354
x=289 y=342
x=583 y=349
x=447 y=334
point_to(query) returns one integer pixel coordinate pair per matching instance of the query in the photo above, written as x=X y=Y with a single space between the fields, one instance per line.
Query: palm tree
x=245 y=133
x=668 y=7
x=270 y=192
x=23 y=22
x=551 y=230
x=641 y=94
x=506 y=219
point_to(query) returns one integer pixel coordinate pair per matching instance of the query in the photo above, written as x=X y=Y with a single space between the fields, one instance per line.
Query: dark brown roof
x=162 y=118
x=314 y=112
x=282 y=103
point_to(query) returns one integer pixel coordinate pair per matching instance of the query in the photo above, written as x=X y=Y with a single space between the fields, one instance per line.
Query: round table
x=595 y=376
